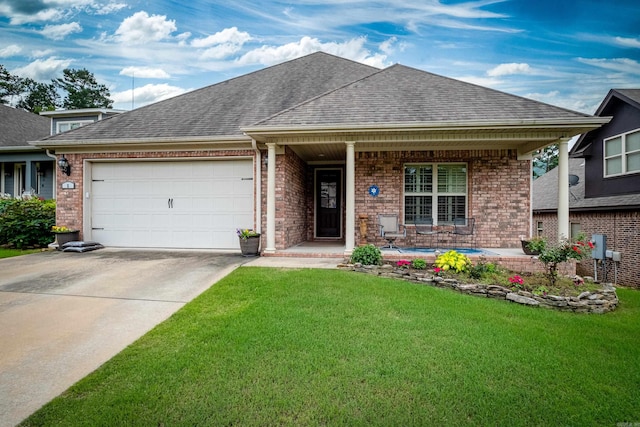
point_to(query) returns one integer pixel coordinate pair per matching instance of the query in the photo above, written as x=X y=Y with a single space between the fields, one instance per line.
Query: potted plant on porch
x=533 y=245
x=249 y=241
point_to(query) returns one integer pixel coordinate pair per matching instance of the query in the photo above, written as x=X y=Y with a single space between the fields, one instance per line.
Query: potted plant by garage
x=249 y=241
x=64 y=235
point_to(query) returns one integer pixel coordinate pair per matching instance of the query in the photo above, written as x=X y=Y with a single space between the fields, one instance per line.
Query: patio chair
x=391 y=229
x=464 y=227
x=424 y=227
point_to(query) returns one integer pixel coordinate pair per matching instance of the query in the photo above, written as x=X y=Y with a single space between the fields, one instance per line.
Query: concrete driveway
x=62 y=315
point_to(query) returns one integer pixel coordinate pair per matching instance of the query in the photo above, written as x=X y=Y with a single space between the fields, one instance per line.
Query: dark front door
x=328 y=202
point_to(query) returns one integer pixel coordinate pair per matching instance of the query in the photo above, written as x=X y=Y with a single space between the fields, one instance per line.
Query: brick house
x=606 y=199
x=293 y=151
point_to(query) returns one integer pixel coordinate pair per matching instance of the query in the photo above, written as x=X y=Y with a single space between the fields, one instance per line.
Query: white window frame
x=71 y=123
x=623 y=154
x=434 y=193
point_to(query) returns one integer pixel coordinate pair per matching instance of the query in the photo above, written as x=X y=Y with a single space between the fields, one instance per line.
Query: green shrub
x=367 y=255
x=537 y=245
x=453 y=260
x=25 y=223
x=482 y=269
x=419 y=264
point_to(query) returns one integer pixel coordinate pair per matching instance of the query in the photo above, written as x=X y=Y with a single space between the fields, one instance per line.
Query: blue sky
x=563 y=52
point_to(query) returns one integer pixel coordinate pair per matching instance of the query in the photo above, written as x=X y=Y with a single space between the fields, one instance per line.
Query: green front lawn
x=326 y=347
x=8 y=253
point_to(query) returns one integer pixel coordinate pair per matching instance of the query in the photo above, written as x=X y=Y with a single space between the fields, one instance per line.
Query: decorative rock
x=520 y=299
x=584 y=295
x=586 y=302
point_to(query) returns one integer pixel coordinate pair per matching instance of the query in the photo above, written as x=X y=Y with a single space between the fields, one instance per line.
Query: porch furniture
x=391 y=229
x=465 y=228
x=424 y=227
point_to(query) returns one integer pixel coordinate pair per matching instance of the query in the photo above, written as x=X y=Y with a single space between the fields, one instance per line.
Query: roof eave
x=137 y=142
x=571 y=125
x=19 y=148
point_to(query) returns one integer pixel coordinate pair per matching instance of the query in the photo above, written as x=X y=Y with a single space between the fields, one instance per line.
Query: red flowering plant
x=403 y=263
x=516 y=281
x=552 y=255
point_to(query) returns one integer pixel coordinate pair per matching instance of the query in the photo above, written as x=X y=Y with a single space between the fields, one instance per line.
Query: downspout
x=258 y=184
x=563 y=189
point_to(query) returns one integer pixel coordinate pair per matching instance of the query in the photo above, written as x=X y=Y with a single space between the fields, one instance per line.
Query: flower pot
x=63 y=237
x=525 y=248
x=250 y=246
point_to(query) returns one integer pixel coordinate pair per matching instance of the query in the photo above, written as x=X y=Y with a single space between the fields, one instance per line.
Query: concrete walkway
x=62 y=315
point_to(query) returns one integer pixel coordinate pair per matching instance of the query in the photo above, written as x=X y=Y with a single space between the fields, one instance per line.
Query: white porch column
x=563 y=189
x=350 y=205
x=271 y=198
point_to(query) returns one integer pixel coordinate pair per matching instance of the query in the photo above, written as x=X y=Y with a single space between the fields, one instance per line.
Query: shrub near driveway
x=325 y=347
x=26 y=223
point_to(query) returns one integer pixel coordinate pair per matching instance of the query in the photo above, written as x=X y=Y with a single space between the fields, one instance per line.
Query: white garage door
x=177 y=204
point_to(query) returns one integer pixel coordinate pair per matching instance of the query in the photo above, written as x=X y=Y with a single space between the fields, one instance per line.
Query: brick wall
x=623 y=235
x=498 y=192
x=295 y=201
x=69 y=202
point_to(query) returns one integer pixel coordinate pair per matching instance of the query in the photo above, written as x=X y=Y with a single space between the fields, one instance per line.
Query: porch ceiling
x=330 y=145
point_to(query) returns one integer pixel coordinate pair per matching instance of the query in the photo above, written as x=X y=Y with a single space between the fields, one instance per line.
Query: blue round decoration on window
x=374 y=191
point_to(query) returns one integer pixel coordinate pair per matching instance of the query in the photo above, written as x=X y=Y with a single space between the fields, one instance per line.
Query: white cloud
x=575 y=102
x=352 y=49
x=622 y=65
x=141 y=28
x=147 y=94
x=108 y=8
x=19 y=18
x=387 y=46
x=44 y=52
x=481 y=81
x=145 y=72
x=509 y=69
x=628 y=42
x=59 y=32
x=228 y=35
x=44 y=69
x=222 y=44
x=12 y=49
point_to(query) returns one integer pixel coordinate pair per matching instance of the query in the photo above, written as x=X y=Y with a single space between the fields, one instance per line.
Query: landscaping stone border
x=599 y=302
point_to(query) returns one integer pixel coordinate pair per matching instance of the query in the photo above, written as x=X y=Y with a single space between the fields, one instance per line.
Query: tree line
x=77 y=88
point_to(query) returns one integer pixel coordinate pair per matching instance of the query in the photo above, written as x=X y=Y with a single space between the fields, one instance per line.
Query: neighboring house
x=296 y=151
x=64 y=120
x=24 y=169
x=606 y=199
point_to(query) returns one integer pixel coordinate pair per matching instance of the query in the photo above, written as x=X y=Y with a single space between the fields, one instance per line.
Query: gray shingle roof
x=402 y=94
x=222 y=109
x=545 y=193
x=19 y=126
x=632 y=94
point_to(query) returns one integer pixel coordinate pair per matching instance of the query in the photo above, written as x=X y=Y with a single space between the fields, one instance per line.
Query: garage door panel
x=190 y=204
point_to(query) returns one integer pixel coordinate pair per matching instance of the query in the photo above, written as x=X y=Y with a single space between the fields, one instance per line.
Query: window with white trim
x=437 y=191
x=622 y=154
x=68 y=125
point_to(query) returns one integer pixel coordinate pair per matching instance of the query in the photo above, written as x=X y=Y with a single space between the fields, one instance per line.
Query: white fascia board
x=583 y=123
x=141 y=141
